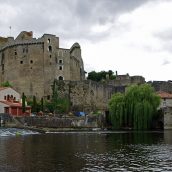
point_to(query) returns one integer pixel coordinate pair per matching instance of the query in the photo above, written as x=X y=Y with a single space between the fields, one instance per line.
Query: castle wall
x=23 y=67
x=126 y=80
x=86 y=95
x=162 y=86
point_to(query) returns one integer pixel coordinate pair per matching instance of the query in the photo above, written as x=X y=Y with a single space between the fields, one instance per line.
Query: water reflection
x=124 y=151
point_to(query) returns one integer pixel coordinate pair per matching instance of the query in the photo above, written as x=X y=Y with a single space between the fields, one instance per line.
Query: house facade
x=166 y=106
x=10 y=102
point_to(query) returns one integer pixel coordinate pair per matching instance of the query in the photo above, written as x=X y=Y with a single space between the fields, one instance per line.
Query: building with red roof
x=166 y=106
x=10 y=102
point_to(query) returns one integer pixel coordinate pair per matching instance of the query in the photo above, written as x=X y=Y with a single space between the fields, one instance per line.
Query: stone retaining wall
x=55 y=122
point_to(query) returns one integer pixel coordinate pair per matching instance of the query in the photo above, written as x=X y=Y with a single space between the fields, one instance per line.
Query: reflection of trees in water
x=136 y=138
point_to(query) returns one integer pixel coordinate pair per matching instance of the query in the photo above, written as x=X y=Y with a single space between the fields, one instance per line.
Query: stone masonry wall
x=86 y=95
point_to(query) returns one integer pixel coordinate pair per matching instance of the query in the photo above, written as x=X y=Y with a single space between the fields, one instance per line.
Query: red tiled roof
x=163 y=94
x=3 y=88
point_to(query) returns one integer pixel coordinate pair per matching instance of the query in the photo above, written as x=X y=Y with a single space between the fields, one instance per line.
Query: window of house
x=21 y=62
x=8 y=97
x=60 y=77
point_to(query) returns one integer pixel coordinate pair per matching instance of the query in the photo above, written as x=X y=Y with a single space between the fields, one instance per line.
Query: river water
x=22 y=151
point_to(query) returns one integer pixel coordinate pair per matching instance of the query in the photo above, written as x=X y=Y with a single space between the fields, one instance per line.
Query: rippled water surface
x=101 y=151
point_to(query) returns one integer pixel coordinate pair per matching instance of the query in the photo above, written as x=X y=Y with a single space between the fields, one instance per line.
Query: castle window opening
x=23 y=50
x=31 y=61
x=48 y=97
x=50 y=56
x=2 y=67
x=48 y=41
x=15 y=53
x=21 y=62
x=60 y=61
x=61 y=78
x=5 y=97
x=50 y=48
x=60 y=67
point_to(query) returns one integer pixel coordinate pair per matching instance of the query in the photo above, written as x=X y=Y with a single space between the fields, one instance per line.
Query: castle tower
x=31 y=64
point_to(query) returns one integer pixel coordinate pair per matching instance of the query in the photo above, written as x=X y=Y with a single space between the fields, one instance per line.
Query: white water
x=15 y=132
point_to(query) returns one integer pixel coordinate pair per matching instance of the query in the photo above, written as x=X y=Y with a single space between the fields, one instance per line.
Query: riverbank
x=44 y=124
x=54 y=130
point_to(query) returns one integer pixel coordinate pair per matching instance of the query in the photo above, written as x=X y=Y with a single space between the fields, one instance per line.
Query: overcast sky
x=128 y=36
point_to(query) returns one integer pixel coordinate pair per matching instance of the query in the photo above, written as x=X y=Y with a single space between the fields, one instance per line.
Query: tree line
x=102 y=75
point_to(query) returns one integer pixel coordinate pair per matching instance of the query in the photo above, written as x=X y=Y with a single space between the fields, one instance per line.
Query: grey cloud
x=165 y=35
x=71 y=19
x=165 y=62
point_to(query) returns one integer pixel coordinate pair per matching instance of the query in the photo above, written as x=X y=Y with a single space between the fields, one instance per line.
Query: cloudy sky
x=128 y=36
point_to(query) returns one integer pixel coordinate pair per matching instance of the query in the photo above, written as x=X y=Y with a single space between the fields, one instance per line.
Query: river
x=26 y=151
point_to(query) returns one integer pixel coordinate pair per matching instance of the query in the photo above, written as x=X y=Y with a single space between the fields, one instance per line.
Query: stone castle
x=31 y=64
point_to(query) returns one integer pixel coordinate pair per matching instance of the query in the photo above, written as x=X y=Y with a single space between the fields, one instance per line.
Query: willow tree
x=117 y=110
x=140 y=104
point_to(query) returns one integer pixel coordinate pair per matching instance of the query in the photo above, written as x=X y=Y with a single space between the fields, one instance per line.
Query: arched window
x=60 y=77
x=50 y=48
x=48 y=41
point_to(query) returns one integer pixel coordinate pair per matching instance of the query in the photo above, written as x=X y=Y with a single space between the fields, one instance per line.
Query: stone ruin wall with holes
x=87 y=95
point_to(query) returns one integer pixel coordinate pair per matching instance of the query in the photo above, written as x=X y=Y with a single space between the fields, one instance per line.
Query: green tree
x=102 y=75
x=42 y=104
x=116 y=107
x=135 y=108
x=34 y=105
x=6 y=84
x=23 y=102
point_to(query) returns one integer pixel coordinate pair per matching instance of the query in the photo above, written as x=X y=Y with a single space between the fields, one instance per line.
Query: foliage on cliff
x=55 y=105
x=99 y=76
x=135 y=109
x=6 y=84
